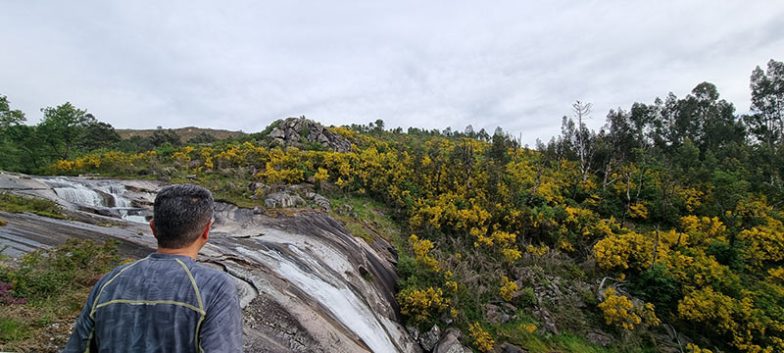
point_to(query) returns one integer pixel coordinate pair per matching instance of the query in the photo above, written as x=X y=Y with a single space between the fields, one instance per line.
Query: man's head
x=181 y=214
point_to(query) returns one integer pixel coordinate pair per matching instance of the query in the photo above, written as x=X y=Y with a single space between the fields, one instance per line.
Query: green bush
x=21 y=204
x=44 y=274
x=656 y=285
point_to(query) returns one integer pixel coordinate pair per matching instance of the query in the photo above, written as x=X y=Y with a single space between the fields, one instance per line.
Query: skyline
x=242 y=65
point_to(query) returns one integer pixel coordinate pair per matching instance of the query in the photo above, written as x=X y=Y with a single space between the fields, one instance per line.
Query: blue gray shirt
x=162 y=303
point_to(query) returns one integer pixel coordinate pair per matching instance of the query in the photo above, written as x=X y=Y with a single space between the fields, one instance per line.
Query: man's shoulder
x=211 y=276
x=119 y=269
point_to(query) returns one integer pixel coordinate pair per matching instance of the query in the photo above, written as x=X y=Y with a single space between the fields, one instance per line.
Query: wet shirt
x=162 y=303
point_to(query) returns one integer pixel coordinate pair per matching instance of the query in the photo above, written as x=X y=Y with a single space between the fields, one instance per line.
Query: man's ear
x=206 y=232
x=152 y=227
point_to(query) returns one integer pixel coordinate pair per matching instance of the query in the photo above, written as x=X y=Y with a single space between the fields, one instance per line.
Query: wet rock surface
x=306 y=284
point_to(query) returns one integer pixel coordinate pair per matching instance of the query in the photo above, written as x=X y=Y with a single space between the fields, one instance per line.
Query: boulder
x=450 y=343
x=429 y=340
x=283 y=200
x=510 y=348
x=319 y=200
x=496 y=314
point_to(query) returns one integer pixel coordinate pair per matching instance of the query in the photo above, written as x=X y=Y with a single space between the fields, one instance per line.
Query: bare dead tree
x=583 y=143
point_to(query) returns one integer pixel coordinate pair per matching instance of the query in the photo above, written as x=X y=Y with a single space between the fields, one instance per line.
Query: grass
x=47 y=291
x=12 y=329
x=365 y=218
x=25 y=204
x=515 y=332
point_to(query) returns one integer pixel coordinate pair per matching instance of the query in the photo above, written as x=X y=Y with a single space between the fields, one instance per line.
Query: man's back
x=162 y=303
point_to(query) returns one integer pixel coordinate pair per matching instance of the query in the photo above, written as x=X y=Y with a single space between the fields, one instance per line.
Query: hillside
x=185 y=133
x=661 y=232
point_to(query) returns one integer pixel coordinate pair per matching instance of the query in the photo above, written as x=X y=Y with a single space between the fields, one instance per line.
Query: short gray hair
x=180 y=213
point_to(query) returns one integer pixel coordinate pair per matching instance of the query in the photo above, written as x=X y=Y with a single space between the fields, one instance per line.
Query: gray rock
x=429 y=340
x=450 y=343
x=300 y=132
x=599 y=337
x=283 y=200
x=510 y=348
x=277 y=133
x=414 y=332
x=496 y=314
x=319 y=200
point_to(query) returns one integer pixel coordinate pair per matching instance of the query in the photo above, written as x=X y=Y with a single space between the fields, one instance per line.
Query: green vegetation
x=675 y=206
x=42 y=293
x=21 y=204
x=365 y=218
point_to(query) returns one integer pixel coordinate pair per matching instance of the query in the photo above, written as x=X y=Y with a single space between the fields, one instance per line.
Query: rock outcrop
x=450 y=343
x=306 y=284
x=302 y=133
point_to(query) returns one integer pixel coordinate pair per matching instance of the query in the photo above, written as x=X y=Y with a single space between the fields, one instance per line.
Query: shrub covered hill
x=662 y=232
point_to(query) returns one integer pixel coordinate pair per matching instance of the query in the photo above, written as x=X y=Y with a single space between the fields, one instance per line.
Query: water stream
x=101 y=194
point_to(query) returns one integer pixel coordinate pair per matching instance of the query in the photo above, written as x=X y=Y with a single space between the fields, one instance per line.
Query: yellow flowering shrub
x=696 y=268
x=777 y=274
x=566 y=245
x=482 y=339
x=605 y=227
x=764 y=244
x=508 y=289
x=528 y=328
x=502 y=238
x=321 y=175
x=620 y=311
x=451 y=286
x=703 y=229
x=537 y=250
x=422 y=304
x=422 y=248
x=708 y=306
x=630 y=250
x=480 y=238
x=511 y=255
x=638 y=210
x=693 y=348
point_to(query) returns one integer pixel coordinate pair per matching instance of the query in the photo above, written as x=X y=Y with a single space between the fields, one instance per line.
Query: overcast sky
x=240 y=65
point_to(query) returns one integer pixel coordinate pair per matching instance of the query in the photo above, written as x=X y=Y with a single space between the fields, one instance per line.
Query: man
x=165 y=302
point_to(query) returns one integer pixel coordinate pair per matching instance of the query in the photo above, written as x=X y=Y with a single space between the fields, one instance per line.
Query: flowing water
x=108 y=195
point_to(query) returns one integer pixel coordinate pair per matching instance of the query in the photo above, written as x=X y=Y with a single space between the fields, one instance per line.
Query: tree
x=62 y=129
x=579 y=138
x=767 y=103
x=9 y=117
x=12 y=136
x=98 y=134
x=163 y=136
x=202 y=138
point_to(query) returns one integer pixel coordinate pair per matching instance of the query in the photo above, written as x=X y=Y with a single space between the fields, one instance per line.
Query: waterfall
x=86 y=194
x=75 y=193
